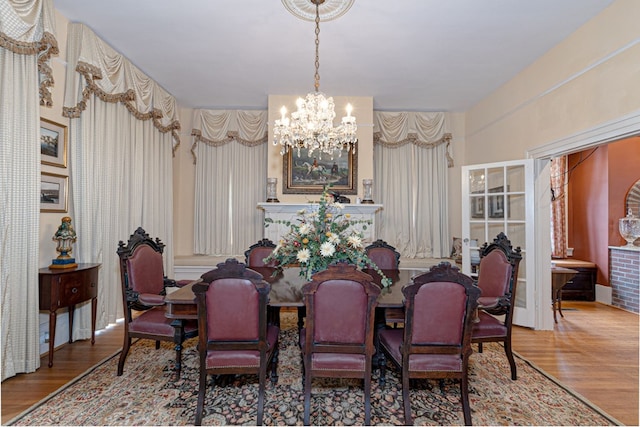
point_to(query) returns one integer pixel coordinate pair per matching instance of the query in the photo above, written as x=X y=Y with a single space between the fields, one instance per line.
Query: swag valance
x=28 y=28
x=94 y=67
x=219 y=127
x=424 y=129
x=391 y=129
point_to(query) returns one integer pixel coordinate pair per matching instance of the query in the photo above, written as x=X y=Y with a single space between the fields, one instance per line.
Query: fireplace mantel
x=288 y=212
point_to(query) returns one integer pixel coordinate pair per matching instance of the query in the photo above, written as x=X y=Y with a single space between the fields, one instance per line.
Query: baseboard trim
x=603 y=294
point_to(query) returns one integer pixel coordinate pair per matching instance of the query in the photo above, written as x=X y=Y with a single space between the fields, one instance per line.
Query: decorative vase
x=272 y=194
x=367 y=185
x=629 y=228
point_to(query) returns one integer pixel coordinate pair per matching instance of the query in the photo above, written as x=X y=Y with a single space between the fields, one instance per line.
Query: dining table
x=286 y=290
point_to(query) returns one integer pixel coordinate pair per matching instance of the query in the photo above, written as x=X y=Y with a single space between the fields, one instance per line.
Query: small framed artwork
x=53 y=192
x=496 y=203
x=53 y=143
x=304 y=174
x=477 y=207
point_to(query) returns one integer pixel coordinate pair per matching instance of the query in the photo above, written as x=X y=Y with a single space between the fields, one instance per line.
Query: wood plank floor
x=593 y=350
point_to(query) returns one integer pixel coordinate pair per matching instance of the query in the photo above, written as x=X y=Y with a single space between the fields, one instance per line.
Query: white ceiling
x=410 y=55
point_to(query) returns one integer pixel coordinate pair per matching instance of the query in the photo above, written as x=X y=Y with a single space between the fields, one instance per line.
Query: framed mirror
x=633 y=200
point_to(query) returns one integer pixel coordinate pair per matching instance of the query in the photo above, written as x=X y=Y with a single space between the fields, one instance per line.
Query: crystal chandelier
x=311 y=127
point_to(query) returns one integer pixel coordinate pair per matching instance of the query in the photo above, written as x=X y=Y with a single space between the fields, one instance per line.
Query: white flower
x=303 y=255
x=327 y=249
x=301 y=212
x=355 y=241
x=304 y=229
x=334 y=238
x=339 y=206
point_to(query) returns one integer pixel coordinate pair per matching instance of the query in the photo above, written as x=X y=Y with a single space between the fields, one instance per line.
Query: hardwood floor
x=593 y=350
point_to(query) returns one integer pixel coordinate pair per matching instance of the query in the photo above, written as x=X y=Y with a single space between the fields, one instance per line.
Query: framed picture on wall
x=306 y=174
x=53 y=143
x=53 y=192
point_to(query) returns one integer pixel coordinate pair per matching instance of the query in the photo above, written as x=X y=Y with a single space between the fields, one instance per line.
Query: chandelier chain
x=317 y=64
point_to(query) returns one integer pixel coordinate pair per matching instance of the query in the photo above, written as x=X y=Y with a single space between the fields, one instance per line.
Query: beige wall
x=590 y=78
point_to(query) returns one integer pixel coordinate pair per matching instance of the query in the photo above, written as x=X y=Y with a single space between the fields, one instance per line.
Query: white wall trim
x=603 y=294
x=619 y=128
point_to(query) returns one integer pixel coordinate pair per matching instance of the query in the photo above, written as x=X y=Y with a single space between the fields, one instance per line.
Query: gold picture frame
x=306 y=174
x=53 y=143
x=53 y=192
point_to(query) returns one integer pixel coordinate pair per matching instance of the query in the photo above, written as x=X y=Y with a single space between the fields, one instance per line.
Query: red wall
x=599 y=180
x=624 y=171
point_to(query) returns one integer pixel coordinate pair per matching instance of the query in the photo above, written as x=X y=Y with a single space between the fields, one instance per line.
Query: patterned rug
x=146 y=394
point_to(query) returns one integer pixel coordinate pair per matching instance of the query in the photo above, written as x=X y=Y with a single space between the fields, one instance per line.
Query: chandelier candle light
x=311 y=127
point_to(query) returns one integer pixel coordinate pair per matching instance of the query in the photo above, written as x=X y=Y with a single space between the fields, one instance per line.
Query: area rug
x=147 y=394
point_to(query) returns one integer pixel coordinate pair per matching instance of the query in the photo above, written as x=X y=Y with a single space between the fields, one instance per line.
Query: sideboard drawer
x=582 y=286
x=77 y=287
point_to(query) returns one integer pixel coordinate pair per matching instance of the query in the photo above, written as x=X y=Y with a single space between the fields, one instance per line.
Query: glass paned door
x=498 y=197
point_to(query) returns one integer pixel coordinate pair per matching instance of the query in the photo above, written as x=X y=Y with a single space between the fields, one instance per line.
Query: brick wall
x=624 y=277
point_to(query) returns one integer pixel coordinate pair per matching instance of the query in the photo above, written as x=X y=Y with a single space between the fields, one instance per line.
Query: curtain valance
x=219 y=127
x=423 y=129
x=28 y=28
x=94 y=67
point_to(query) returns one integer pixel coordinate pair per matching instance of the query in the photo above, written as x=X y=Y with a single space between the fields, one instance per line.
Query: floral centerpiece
x=320 y=237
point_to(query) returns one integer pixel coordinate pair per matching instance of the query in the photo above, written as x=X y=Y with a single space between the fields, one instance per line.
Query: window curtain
x=230 y=151
x=27 y=40
x=558 y=172
x=411 y=159
x=122 y=137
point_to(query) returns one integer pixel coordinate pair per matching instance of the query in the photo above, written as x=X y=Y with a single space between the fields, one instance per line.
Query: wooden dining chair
x=235 y=337
x=143 y=289
x=497 y=279
x=337 y=341
x=386 y=257
x=255 y=255
x=436 y=339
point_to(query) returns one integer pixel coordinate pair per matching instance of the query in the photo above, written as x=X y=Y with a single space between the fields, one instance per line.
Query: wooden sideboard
x=583 y=285
x=67 y=287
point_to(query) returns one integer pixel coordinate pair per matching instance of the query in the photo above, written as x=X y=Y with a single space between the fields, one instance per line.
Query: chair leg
x=261 y=386
x=201 y=393
x=302 y=313
x=512 y=362
x=479 y=347
x=274 y=365
x=464 y=398
x=307 y=397
x=123 y=354
x=367 y=397
x=382 y=365
x=157 y=345
x=408 y=420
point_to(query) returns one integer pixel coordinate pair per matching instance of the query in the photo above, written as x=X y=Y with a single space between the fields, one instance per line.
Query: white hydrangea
x=355 y=241
x=327 y=249
x=303 y=255
x=304 y=229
